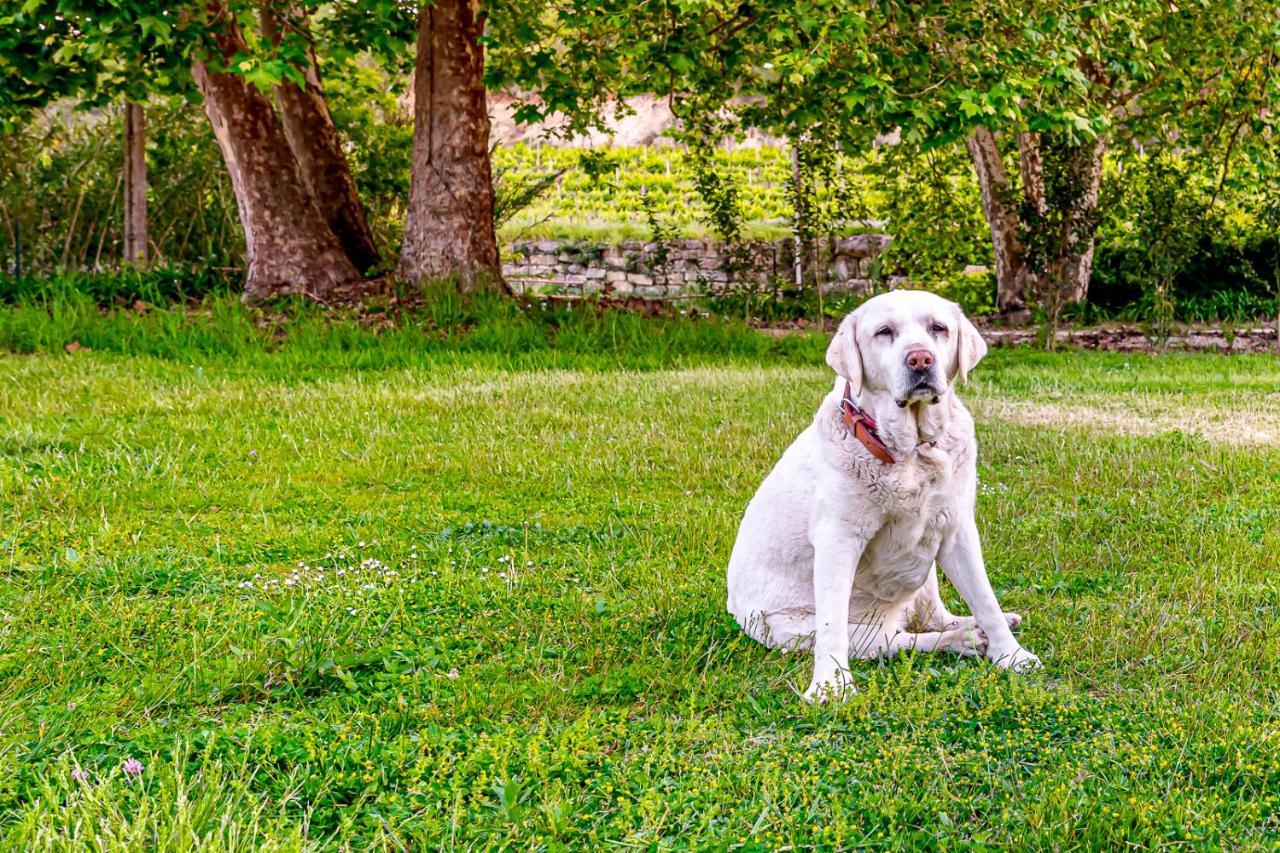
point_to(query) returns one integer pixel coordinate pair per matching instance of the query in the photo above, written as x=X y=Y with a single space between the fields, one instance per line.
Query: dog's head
x=911 y=344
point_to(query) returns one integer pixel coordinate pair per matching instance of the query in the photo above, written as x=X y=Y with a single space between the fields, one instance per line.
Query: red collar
x=863 y=427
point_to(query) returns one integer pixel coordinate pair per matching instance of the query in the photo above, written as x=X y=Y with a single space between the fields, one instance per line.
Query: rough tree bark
x=449 y=231
x=1082 y=171
x=289 y=247
x=313 y=138
x=1002 y=218
x=135 y=183
x=1057 y=217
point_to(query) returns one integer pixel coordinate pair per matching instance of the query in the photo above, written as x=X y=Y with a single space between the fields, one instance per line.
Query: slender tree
x=135 y=183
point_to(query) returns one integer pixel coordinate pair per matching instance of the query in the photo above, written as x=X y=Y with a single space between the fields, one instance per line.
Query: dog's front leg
x=961 y=560
x=835 y=558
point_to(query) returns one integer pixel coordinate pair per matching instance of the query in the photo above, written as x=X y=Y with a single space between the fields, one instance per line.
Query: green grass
x=538 y=653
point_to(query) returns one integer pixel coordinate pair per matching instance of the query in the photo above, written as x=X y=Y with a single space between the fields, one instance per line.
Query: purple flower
x=80 y=774
x=132 y=767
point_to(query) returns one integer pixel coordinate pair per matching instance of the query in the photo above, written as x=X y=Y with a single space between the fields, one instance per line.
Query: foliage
x=518 y=638
x=1223 y=252
x=62 y=190
x=96 y=52
x=823 y=198
x=662 y=233
x=1169 y=220
x=720 y=192
x=719 y=188
x=368 y=105
x=932 y=208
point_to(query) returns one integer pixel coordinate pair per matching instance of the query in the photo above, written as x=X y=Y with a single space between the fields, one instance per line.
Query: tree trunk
x=1031 y=165
x=1045 y=249
x=449 y=231
x=135 y=183
x=288 y=245
x=1083 y=173
x=1002 y=217
x=313 y=138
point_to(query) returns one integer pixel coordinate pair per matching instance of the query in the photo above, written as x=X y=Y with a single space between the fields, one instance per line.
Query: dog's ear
x=970 y=347
x=843 y=354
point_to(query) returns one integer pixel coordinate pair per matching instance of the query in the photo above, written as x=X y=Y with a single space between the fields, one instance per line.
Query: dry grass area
x=1223 y=423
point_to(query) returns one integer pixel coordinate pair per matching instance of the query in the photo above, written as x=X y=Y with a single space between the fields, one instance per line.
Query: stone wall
x=680 y=267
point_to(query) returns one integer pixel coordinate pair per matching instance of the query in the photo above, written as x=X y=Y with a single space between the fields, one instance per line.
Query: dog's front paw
x=830 y=687
x=1014 y=658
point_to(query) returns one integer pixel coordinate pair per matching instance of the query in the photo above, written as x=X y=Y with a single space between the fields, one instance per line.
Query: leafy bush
x=1205 y=232
x=61 y=192
x=931 y=205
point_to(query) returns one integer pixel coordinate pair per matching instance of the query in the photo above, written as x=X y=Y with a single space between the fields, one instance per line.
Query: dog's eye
x=938 y=329
x=887 y=331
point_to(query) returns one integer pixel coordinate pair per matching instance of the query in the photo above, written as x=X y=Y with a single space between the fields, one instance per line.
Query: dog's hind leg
x=790 y=630
x=930 y=613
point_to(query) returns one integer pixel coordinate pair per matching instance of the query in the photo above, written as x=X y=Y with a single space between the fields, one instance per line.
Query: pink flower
x=80 y=774
x=132 y=767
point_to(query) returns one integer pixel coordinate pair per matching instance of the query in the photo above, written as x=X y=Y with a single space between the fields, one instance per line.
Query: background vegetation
x=62 y=196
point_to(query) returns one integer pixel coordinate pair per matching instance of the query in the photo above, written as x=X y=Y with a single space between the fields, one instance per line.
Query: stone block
x=862 y=245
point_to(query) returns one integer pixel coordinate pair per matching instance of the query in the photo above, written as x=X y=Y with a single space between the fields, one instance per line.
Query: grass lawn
x=425 y=601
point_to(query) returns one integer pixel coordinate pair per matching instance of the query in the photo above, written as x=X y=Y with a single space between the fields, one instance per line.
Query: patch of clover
x=345 y=569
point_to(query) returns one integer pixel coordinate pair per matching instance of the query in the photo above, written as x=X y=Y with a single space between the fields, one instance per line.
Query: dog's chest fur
x=917 y=495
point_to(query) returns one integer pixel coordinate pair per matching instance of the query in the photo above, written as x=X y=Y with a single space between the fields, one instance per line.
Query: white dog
x=836 y=551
